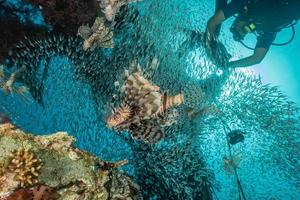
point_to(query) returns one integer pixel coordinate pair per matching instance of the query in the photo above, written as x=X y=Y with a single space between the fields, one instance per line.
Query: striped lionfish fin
x=148 y=132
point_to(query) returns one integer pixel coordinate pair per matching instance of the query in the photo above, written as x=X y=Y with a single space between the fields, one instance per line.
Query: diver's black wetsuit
x=268 y=16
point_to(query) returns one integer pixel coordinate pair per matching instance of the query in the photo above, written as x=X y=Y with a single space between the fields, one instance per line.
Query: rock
x=68 y=171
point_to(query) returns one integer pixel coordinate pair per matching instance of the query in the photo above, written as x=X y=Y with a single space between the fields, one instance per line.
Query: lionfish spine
x=119 y=115
x=171 y=101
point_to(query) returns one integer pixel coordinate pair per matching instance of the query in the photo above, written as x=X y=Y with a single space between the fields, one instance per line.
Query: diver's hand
x=207 y=40
x=211 y=47
x=209 y=37
x=210 y=42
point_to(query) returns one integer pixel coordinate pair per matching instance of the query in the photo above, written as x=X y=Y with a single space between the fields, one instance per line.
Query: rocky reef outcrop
x=49 y=167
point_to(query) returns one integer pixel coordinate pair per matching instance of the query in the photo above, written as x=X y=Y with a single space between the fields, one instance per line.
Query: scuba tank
x=260 y=16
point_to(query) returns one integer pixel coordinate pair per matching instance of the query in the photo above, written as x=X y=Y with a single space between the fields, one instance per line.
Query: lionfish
x=97 y=36
x=144 y=110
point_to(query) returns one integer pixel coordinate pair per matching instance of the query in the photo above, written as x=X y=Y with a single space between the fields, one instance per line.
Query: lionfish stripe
x=165 y=102
x=156 y=136
x=147 y=133
x=136 y=136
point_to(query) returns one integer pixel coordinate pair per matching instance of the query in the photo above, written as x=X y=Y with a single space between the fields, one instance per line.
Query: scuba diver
x=264 y=18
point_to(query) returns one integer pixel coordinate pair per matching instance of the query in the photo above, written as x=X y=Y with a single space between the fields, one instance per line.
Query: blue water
x=269 y=168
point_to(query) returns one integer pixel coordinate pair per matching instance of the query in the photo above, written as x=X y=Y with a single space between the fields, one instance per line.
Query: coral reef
x=143 y=109
x=97 y=36
x=66 y=16
x=58 y=178
x=26 y=167
x=41 y=192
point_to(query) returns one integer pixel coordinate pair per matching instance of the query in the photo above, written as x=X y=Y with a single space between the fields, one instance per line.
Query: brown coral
x=21 y=194
x=2 y=170
x=26 y=167
x=43 y=192
x=40 y=192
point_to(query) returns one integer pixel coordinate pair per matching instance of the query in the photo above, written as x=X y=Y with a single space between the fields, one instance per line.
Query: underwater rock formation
x=48 y=167
x=12 y=32
x=8 y=38
x=67 y=16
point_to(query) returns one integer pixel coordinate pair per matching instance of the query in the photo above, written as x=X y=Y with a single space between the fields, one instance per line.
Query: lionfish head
x=119 y=116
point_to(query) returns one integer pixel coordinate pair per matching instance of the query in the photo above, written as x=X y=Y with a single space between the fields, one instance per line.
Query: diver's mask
x=241 y=28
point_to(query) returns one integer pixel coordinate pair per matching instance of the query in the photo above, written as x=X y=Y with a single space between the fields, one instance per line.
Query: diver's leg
x=219 y=4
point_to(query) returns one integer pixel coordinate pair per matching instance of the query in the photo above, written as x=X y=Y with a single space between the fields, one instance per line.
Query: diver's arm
x=213 y=24
x=223 y=11
x=256 y=58
x=263 y=45
x=219 y=5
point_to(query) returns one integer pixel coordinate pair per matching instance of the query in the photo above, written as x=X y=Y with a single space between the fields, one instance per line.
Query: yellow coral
x=25 y=167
